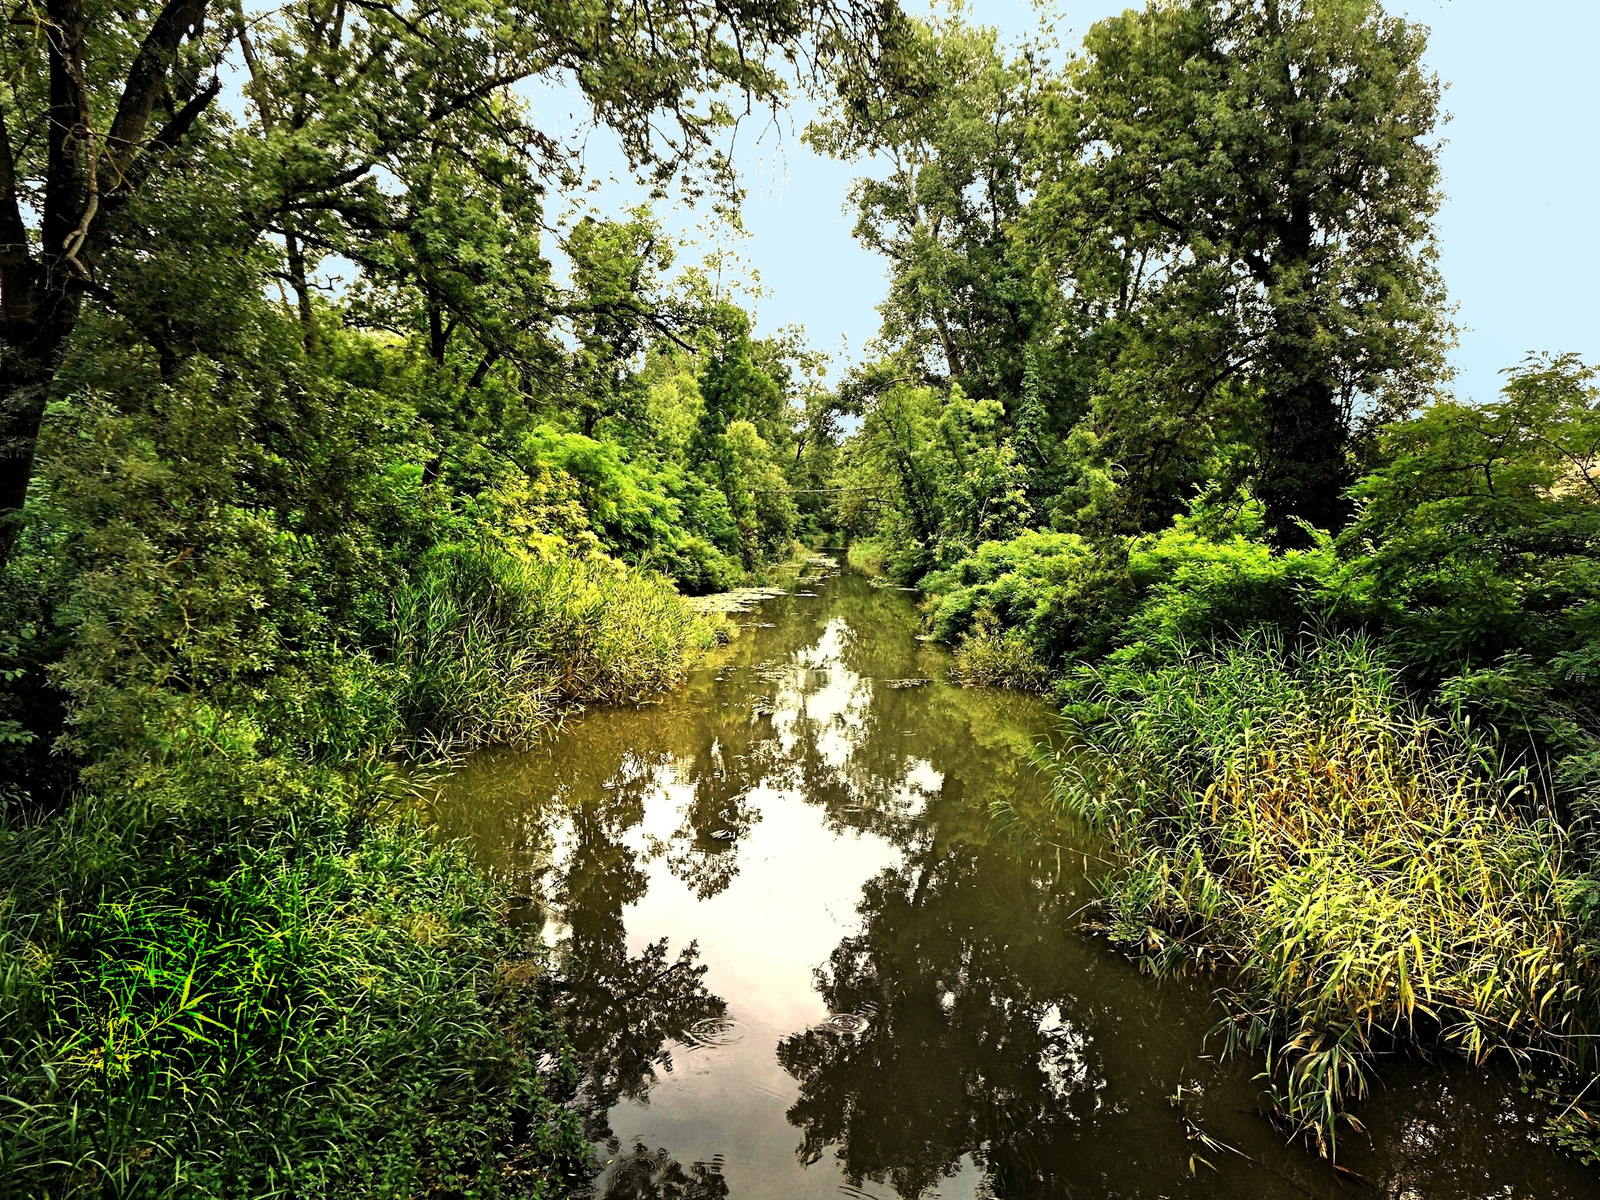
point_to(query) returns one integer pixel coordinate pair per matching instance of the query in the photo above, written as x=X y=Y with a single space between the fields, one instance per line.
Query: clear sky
x=1519 y=232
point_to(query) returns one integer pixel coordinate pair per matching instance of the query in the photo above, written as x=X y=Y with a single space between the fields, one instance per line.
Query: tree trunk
x=88 y=174
x=32 y=335
x=1305 y=469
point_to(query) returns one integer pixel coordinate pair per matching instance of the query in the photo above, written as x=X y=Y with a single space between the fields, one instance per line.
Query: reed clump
x=492 y=648
x=1373 y=870
x=989 y=657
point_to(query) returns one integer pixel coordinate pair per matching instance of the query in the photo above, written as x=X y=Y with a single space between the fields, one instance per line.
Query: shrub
x=988 y=658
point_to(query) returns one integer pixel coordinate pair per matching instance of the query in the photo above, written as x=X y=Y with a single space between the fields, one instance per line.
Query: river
x=802 y=958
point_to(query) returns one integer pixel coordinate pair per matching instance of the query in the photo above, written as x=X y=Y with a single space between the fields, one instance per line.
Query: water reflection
x=798 y=960
x=968 y=1053
x=643 y=1174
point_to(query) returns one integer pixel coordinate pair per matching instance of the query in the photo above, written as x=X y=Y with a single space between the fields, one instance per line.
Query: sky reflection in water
x=800 y=960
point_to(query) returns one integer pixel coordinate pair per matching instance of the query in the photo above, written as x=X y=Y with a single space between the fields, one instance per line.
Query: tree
x=954 y=127
x=1262 y=173
x=364 y=111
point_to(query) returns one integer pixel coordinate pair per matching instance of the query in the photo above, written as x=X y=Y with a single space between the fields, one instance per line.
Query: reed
x=493 y=648
x=302 y=1007
x=1374 y=871
x=987 y=657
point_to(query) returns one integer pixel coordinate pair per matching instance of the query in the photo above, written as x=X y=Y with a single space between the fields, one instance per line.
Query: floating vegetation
x=739 y=600
x=902 y=684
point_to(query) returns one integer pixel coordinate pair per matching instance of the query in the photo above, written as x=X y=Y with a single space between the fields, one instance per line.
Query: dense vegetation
x=273 y=548
x=338 y=437
x=1161 y=423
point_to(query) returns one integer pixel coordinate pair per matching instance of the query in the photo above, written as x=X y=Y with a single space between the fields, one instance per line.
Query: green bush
x=1072 y=599
x=989 y=658
x=660 y=517
x=239 y=593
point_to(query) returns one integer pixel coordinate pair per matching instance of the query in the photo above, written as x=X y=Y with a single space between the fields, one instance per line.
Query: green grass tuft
x=1375 y=872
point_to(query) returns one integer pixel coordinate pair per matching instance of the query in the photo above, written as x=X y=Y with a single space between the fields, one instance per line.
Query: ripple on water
x=850 y=1023
x=714 y=1031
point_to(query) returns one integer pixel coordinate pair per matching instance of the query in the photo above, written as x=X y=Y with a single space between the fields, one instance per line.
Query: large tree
x=1265 y=173
x=1207 y=243
x=952 y=126
x=374 y=129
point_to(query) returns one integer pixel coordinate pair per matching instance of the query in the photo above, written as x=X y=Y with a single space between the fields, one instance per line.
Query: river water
x=802 y=957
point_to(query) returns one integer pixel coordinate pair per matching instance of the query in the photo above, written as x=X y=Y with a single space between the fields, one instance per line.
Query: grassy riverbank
x=231 y=969
x=1369 y=873
x=1356 y=777
x=257 y=587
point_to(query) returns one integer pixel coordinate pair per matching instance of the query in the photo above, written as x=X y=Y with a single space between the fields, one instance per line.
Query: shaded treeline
x=1161 y=420
x=264 y=533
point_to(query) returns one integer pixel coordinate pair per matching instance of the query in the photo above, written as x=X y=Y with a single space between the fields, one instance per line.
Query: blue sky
x=1519 y=232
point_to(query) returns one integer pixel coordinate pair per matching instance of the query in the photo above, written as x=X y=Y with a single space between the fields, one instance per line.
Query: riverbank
x=235 y=963
x=1374 y=866
x=1369 y=875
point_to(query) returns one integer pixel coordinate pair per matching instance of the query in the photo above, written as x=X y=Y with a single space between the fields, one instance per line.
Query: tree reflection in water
x=644 y=1174
x=968 y=1051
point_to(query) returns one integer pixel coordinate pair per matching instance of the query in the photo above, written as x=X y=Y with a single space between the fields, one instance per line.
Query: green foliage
x=1020 y=583
x=1374 y=871
x=1205 y=242
x=1205 y=575
x=1196 y=580
x=657 y=517
x=989 y=658
x=194 y=1004
x=1476 y=537
x=1263 y=177
x=493 y=648
x=956 y=480
x=268 y=548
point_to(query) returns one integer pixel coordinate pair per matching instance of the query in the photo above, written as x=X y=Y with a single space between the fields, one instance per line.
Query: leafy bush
x=1477 y=536
x=1014 y=581
x=1069 y=598
x=662 y=518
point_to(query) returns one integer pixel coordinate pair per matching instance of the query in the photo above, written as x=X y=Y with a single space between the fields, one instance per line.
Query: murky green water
x=801 y=960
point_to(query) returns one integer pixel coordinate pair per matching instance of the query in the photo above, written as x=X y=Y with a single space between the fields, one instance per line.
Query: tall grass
x=1374 y=871
x=492 y=648
x=296 y=1008
x=986 y=657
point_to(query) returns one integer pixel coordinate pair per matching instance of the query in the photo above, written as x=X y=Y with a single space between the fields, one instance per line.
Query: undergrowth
x=1374 y=873
x=988 y=657
x=303 y=1005
x=229 y=969
x=492 y=648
